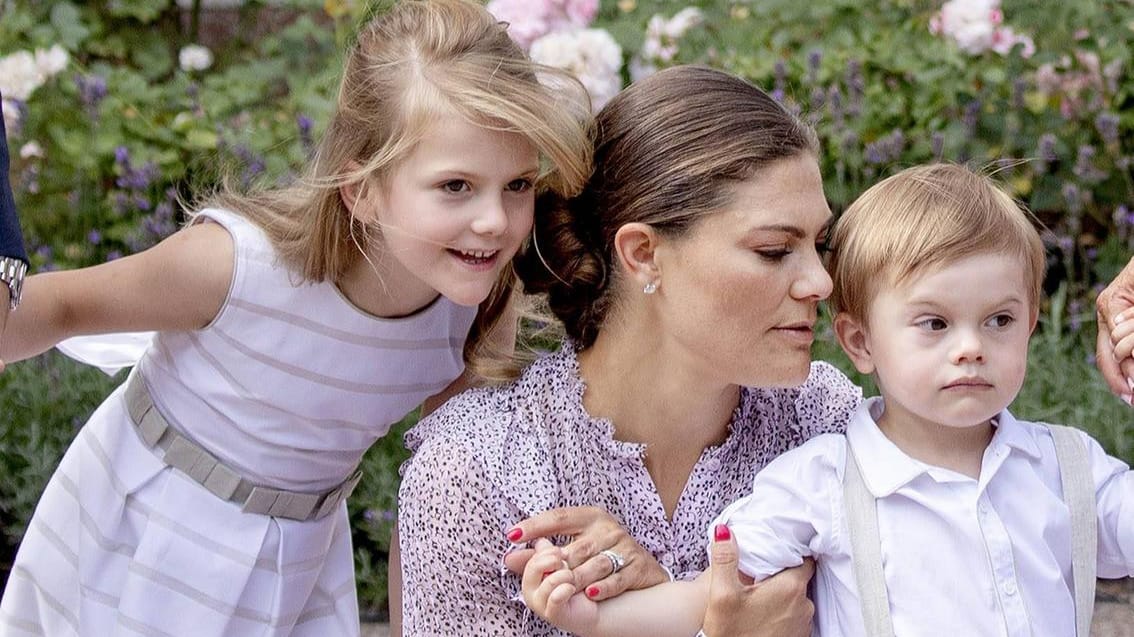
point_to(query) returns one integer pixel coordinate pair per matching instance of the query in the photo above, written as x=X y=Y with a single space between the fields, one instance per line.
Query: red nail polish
x=515 y=534
x=721 y=533
x=545 y=574
x=592 y=591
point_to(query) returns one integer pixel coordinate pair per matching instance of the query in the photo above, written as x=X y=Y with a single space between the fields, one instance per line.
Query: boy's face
x=948 y=347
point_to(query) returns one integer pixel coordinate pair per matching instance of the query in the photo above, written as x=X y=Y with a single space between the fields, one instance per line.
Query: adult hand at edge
x=1113 y=305
x=775 y=607
x=592 y=530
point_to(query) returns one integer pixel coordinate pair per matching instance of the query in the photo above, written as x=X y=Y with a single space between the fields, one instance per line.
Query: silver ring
x=616 y=560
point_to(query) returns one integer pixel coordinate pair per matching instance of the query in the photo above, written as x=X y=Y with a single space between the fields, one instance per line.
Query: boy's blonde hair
x=922 y=218
x=421 y=60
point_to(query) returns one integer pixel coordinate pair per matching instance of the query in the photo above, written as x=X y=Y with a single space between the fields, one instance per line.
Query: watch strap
x=12 y=273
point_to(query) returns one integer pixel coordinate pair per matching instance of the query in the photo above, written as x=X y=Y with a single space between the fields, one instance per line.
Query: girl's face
x=740 y=291
x=454 y=211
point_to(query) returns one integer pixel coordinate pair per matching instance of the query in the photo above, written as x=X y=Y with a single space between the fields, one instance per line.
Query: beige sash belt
x=188 y=457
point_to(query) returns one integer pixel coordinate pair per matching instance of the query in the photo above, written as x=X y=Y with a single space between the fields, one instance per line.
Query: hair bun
x=566 y=265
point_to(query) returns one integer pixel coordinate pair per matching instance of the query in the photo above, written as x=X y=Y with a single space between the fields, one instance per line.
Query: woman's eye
x=520 y=185
x=455 y=186
x=774 y=254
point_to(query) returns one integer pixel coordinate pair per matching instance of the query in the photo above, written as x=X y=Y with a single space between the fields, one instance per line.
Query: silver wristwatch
x=12 y=273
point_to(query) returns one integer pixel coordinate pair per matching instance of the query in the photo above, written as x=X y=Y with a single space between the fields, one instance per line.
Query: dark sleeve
x=11 y=240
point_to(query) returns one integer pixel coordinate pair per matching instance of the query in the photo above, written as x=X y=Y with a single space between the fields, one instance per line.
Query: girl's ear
x=635 y=245
x=855 y=341
x=358 y=195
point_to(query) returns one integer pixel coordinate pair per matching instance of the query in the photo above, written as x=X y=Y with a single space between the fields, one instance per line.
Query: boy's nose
x=968 y=347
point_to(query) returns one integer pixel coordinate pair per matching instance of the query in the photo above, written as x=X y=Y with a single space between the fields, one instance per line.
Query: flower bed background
x=119 y=110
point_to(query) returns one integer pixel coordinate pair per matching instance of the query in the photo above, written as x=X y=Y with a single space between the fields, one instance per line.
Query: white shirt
x=961 y=557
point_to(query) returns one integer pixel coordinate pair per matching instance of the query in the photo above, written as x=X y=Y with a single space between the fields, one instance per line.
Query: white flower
x=51 y=61
x=529 y=20
x=31 y=149
x=20 y=75
x=11 y=116
x=1005 y=39
x=682 y=21
x=591 y=55
x=660 y=45
x=971 y=23
x=194 y=57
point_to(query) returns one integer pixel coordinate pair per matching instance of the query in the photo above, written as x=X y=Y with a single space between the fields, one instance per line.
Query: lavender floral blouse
x=492 y=457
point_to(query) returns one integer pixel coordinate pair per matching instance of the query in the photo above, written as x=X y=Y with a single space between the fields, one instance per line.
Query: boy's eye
x=1001 y=320
x=520 y=185
x=455 y=186
x=932 y=324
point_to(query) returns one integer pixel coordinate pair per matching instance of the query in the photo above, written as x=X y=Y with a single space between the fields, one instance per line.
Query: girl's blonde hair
x=410 y=65
x=922 y=218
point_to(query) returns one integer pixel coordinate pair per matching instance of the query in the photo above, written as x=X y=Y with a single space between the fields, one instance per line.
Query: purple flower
x=856 y=87
x=1085 y=167
x=1107 y=125
x=113 y=254
x=814 y=59
x=94 y=237
x=937 y=142
x=1019 y=86
x=835 y=100
x=304 y=124
x=780 y=81
x=1073 y=196
x=971 y=117
x=122 y=156
x=92 y=90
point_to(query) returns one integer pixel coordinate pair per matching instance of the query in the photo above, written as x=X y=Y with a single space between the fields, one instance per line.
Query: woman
x=687 y=274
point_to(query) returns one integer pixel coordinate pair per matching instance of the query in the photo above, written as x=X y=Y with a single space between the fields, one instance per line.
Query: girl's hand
x=592 y=530
x=775 y=607
x=550 y=591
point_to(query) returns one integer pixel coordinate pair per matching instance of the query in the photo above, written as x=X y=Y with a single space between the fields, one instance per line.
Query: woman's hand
x=775 y=607
x=592 y=530
x=1115 y=306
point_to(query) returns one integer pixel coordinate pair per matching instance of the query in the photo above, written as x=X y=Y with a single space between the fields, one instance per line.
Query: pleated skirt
x=122 y=544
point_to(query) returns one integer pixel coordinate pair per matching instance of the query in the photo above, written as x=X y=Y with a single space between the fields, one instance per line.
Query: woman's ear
x=855 y=341
x=635 y=245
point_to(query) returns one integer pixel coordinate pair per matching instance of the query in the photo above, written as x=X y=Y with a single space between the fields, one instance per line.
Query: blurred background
x=117 y=110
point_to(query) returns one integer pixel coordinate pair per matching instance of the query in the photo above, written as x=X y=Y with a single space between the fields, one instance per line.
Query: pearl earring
x=651 y=287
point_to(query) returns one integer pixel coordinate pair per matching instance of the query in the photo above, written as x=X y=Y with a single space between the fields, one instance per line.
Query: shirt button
x=667 y=559
x=983 y=508
x=1010 y=587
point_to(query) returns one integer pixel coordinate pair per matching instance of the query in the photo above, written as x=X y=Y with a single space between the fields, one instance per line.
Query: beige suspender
x=1078 y=493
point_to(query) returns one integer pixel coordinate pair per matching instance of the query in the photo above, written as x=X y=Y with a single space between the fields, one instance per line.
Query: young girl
x=938 y=512
x=205 y=496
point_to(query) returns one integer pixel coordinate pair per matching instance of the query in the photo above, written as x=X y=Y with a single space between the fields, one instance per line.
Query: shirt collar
x=886 y=468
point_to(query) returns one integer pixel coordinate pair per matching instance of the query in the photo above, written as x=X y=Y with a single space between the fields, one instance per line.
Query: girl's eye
x=1001 y=320
x=520 y=185
x=932 y=324
x=455 y=186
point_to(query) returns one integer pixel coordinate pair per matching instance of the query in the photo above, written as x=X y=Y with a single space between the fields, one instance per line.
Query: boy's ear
x=855 y=341
x=636 y=245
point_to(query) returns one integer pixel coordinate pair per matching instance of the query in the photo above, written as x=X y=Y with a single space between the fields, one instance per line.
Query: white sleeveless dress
x=289 y=385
